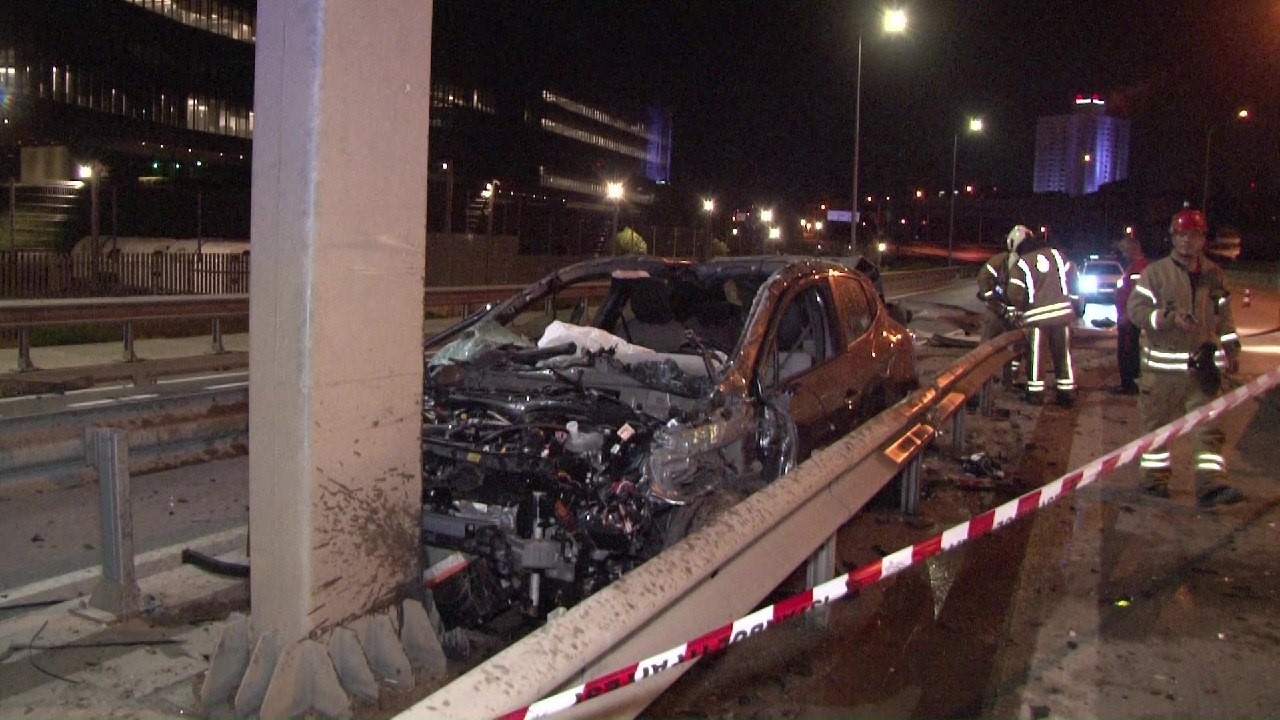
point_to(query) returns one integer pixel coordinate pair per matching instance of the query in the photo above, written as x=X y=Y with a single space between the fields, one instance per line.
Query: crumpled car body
x=583 y=425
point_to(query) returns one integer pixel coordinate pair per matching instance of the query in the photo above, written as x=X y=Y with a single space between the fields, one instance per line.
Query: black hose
x=214 y=565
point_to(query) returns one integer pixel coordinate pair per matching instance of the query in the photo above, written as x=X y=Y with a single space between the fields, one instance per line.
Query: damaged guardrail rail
x=722 y=571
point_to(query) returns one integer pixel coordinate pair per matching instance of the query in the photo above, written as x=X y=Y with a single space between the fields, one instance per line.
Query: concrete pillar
x=341 y=96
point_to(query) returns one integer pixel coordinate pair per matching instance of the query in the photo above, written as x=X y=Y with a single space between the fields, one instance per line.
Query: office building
x=1080 y=152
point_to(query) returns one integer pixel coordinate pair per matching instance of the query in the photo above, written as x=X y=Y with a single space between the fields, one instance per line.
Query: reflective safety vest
x=1042 y=287
x=993 y=282
x=1167 y=289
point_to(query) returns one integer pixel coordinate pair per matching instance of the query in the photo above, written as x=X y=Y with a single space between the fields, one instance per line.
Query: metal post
x=24 y=350
x=199 y=228
x=1204 y=196
x=129 y=354
x=857 y=131
x=13 y=213
x=448 y=201
x=107 y=450
x=951 y=224
x=957 y=431
x=218 y=348
x=820 y=568
x=909 y=496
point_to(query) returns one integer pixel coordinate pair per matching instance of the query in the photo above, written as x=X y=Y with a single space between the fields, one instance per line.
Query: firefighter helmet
x=1188 y=220
x=1017 y=235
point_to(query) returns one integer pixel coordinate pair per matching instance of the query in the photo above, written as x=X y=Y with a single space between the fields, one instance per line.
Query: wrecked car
x=578 y=428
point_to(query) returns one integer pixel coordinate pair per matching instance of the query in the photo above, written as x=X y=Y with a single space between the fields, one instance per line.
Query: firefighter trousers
x=1050 y=344
x=1165 y=397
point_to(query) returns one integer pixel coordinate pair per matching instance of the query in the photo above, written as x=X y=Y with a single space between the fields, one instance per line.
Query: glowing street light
x=894 y=21
x=975 y=126
x=708 y=207
x=614 y=191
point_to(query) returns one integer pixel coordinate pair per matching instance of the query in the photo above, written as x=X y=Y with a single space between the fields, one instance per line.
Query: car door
x=795 y=369
x=863 y=369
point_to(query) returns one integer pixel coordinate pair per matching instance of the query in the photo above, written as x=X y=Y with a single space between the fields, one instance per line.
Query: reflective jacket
x=993 y=283
x=1042 y=288
x=1166 y=289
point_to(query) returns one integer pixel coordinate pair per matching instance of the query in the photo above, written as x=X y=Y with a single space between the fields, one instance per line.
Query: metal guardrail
x=723 y=570
x=49 y=451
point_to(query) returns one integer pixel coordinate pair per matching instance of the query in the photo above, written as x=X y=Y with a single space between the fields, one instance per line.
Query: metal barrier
x=723 y=570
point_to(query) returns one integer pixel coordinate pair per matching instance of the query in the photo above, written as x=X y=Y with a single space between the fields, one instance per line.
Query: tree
x=718 y=248
x=629 y=242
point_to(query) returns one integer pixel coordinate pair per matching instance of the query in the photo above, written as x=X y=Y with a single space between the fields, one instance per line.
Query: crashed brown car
x=560 y=453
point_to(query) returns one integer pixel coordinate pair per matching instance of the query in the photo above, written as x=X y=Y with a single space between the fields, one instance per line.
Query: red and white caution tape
x=869 y=574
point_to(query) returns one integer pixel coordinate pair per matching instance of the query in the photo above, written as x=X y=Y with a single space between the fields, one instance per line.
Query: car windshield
x=1103 y=268
x=639 y=313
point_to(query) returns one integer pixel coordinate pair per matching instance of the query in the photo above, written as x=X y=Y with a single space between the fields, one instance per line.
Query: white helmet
x=1017 y=235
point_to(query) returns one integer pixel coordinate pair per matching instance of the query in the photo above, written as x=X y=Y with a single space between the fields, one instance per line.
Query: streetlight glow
x=613 y=190
x=894 y=21
x=708 y=204
x=975 y=125
x=766 y=216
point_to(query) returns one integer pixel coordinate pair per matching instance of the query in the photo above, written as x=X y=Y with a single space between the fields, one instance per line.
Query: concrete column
x=341 y=97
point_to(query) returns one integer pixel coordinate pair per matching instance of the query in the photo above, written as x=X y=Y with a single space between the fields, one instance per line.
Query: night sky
x=762 y=93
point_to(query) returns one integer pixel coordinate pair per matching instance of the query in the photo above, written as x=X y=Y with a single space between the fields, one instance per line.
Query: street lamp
x=708 y=206
x=613 y=191
x=1243 y=116
x=975 y=125
x=766 y=218
x=894 y=21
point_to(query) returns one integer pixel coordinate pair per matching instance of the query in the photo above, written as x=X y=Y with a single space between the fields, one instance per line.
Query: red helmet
x=1188 y=221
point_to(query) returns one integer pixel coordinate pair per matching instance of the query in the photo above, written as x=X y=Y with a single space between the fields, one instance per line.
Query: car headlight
x=1119 y=283
x=1088 y=284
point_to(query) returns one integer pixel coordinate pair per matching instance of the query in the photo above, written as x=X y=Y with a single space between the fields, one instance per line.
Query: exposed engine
x=541 y=477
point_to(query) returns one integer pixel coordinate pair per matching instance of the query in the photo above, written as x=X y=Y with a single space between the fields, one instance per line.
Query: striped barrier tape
x=836 y=588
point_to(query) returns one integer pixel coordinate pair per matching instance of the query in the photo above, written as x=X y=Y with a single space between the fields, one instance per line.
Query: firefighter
x=1043 y=293
x=1182 y=306
x=993 y=291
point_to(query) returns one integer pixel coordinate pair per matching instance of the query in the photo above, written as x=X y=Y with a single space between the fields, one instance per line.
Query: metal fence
x=46 y=274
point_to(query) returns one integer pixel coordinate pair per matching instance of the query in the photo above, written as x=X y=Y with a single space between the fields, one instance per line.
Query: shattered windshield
x=666 y=328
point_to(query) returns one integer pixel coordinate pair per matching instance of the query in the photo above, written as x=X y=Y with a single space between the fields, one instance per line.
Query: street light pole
x=857 y=144
x=951 y=223
x=975 y=125
x=613 y=191
x=1242 y=115
x=893 y=21
x=1204 y=196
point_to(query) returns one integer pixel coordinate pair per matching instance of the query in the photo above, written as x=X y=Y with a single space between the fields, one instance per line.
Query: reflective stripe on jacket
x=1162 y=293
x=993 y=282
x=1041 y=287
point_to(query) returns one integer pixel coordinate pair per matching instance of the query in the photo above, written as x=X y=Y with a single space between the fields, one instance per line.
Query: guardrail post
x=957 y=430
x=24 y=350
x=129 y=354
x=909 y=487
x=820 y=568
x=107 y=449
x=218 y=349
x=986 y=399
